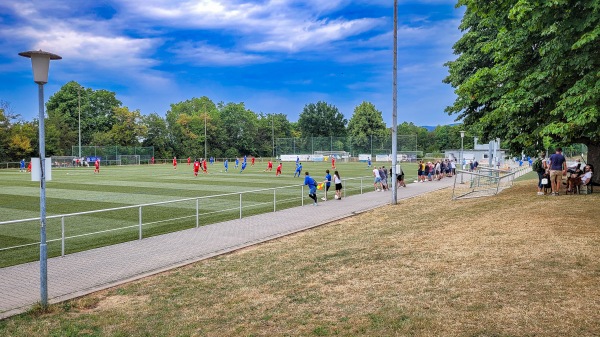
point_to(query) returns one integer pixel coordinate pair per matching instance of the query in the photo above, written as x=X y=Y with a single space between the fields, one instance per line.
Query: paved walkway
x=82 y=273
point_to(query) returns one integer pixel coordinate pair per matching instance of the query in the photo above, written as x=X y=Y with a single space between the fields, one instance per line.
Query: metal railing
x=180 y=214
x=485 y=181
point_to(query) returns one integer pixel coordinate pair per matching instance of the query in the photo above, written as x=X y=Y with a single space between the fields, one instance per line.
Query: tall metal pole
x=79 y=105
x=273 y=133
x=205 y=136
x=462 y=137
x=395 y=109
x=43 y=245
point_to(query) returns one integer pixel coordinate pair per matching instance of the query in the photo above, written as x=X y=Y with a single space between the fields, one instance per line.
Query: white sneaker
x=540 y=193
x=378 y=190
x=323 y=199
x=315 y=204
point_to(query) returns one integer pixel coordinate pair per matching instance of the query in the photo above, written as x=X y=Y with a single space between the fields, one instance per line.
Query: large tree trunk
x=593 y=158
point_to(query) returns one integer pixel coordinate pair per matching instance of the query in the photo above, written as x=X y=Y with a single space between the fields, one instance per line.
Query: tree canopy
x=529 y=73
x=321 y=120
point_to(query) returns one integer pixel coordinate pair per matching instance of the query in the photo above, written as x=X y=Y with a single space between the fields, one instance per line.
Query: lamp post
x=40 y=61
x=462 y=137
x=205 y=152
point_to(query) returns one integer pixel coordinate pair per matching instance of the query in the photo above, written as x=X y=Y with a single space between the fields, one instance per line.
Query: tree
x=321 y=120
x=240 y=126
x=186 y=121
x=366 y=123
x=271 y=126
x=64 y=107
x=157 y=135
x=128 y=129
x=527 y=72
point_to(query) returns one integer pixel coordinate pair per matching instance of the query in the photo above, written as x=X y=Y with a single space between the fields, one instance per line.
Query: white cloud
x=202 y=54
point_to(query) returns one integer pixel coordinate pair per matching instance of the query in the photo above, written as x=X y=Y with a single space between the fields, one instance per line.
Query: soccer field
x=77 y=190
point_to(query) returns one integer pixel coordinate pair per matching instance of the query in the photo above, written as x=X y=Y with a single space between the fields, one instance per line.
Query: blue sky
x=274 y=55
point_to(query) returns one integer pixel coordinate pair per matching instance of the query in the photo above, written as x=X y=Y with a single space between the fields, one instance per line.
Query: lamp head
x=462 y=134
x=40 y=62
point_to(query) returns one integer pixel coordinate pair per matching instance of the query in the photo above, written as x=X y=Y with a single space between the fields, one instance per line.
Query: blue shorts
x=312 y=190
x=377 y=180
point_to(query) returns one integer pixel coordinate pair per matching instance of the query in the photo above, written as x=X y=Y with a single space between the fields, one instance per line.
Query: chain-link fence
x=354 y=145
x=114 y=153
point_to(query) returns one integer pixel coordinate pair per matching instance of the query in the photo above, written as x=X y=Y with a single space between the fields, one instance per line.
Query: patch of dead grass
x=512 y=265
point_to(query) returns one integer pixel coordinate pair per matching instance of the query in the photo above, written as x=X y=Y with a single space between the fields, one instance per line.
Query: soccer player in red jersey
x=189 y=160
x=252 y=163
x=204 y=166
x=196 y=167
x=175 y=163
x=278 y=171
x=152 y=160
x=333 y=162
x=97 y=166
x=29 y=167
x=269 y=166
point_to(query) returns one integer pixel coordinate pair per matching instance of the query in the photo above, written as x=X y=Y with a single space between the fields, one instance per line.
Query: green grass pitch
x=74 y=190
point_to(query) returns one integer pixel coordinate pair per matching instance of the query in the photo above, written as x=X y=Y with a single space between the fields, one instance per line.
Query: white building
x=480 y=152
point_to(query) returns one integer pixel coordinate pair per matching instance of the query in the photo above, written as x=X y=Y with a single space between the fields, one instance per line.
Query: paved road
x=82 y=273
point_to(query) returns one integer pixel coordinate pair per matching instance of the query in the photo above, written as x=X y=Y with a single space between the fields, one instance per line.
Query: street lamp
x=40 y=62
x=462 y=137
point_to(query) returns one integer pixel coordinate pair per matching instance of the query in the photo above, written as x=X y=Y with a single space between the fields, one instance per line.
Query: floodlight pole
x=462 y=137
x=395 y=109
x=205 y=135
x=79 y=105
x=40 y=61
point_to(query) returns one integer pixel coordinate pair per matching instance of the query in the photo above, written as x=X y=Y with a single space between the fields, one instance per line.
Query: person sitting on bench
x=581 y=180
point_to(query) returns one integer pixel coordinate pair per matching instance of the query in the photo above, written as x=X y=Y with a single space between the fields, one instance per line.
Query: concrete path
x=82 y=273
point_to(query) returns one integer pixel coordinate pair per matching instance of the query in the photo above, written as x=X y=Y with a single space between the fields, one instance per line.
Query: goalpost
x=131 y=159
x=338 y=155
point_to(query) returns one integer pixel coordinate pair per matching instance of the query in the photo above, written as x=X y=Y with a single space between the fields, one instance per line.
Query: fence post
x=140 y=221
x=361 y=185
x=197 y=213
x=302 y=195
x=62 y=240
x=274 y=200
x=240 y=205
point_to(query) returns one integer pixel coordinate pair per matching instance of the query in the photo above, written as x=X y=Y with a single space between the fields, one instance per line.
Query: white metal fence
x=85 y=230
x=485 y=181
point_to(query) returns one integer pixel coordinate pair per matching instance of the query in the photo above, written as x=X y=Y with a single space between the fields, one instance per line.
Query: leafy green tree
x=128 y=129
x=5 y=125
x=366 y=123
x=527 y=72
x=240 y=126
x=73 y=103
x=157 y=135
x=271 y=126
x=186 y=121
x=321 y=120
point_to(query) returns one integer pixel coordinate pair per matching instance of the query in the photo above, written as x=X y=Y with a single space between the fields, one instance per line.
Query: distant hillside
x=431 y=128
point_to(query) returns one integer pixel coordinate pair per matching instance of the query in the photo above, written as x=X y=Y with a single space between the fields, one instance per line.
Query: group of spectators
x=436 y=171
x=381 y=176
x=552 y=170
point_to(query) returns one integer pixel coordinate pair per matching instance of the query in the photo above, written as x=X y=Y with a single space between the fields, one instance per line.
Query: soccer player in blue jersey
x=226 y=164
x=369 y=162
x=243 y=167
x=297 y=159
x=327 y=184
x=22 y=167
x=237 y=162
x=298 y=170
x=312 y=187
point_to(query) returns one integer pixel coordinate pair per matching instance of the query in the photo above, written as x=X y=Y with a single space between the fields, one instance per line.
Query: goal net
x=132 y=159
x=338 y=155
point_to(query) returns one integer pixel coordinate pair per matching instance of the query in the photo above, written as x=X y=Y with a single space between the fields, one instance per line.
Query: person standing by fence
x=337 y=180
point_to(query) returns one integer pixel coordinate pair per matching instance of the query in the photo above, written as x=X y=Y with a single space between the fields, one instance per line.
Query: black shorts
x=327 y=187
x=338 y=187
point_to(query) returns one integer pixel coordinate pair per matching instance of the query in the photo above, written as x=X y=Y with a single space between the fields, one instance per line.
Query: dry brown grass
x=511 y=265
